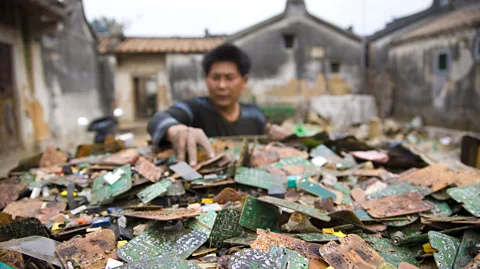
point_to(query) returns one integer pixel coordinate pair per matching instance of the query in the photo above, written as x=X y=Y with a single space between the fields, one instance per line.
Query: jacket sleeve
x=181 y=113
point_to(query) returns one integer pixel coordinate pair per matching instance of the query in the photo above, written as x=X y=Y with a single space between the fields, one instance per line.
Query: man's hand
x=276 y=133
x=185 y=139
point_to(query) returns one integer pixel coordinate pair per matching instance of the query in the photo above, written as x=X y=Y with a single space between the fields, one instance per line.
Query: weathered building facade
x=151 y=73
x=436 y=69
x=49 y=73
x=297 y=55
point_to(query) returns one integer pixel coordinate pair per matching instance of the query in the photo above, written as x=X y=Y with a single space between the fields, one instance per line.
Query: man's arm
x=174 y=125
x=179 y=114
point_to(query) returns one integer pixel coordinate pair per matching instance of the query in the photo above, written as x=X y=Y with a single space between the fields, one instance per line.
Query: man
x=190 y=122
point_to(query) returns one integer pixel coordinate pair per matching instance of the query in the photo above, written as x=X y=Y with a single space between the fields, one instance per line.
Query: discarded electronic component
x=9 y=191
x=169 y=262
x=123 y=157
x=391 y=253
x=244 y=240
x=51 y=156
x=226 y=226
x=315 y=189
x=256 y=214
x=267 y=239
x=101 y=222
x=92 y=251
x=318 y=237
x=251 y=258
x=346 y=199
x=446 y=246
x=467 y=177
x=399 y=188
x=155 y=242
x=148 y=170
x=288 y=259
x=176 y=189
x=469 y=196
x=351 y=250
x=258 y=178
x=155 y=190
x=435 y=176
x=468 y=249
x=307 y=210
x=35 y=208
x=165 y=214
x=103 y=192
x=441 y=208
x=324 y=151
x=185 y=171
x=397 y=205
x=299 y=223
x=39 y=247
x=227 y=195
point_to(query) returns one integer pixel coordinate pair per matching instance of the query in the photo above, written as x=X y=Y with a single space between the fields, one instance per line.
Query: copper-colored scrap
x=379 y=227
x=12 y=258
x=368 y=172
x=51 y=156
x=165 y=214
x=148 y=170
x=227 y=195
x=92 y=251
x=435 y=176
x=214 y=184
x=397 y=205
x=467 y=177
x=9 y=191
x=126 y=156
x=35 y=208
x=352 y=252
x=292 y=195
x=358 y=195
x=267 y=239
x=404 y=265
x=474 y=264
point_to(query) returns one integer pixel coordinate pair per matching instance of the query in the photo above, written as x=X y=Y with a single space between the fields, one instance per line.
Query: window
x=442 y=61
x=444 y=2
x=476 y=48
x=289 y=41
x=335 y=66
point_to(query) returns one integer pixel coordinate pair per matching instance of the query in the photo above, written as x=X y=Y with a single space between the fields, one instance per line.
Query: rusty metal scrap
x=92 y=251
x=352 y=252
x=12 y=258
x=9 y=191
x=397 y=205
x=227 y=195
x=267 y=239
x=35 y=208
x=51 y=156
x=435 y=176
x=148 y=169
x=165 y=214
x=126 y=156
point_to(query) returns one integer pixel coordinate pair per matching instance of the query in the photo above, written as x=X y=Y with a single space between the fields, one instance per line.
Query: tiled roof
x=163 y=45
x=458 y=19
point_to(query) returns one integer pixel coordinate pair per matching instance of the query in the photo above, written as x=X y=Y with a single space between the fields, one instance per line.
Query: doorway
x=145 y=96
x=9 y=136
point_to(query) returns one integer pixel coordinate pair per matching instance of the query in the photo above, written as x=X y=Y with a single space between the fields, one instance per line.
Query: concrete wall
x=131 y=66
x=284 y=75
x=451 y=99
x=185 y=75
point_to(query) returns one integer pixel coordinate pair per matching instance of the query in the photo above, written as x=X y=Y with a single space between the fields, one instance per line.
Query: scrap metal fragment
x=226 y=226
x=267 y=239
x=153 y=191
x=299 y=223
x=169 y=262
x=10 y=190
x=103 y=192
x=148 y=170
x=467 y=250
x=318 y=237
x=11 y=259
x=227 y=195
x=307 y=210
x=258 y=178
x=288 y=259
x=158 y=243
x=243 y=240
x=391 y=253
x=185 y=171
x=467 y=177
x=352 y=251
x=251 y=258
x=123 y=157
x=469 y=196
x=35 y=246
x=256 y=214
x=399 y=188
x=474 y=264
x=446 y=247
x=435 y=176
x=166 y=214
x=92 y=251
x=315 y=189
x=51 y=156
x=35 y=208
x=397 y=205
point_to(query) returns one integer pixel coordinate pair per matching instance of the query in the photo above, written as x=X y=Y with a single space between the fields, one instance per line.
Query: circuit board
x=469 y=196
x=307 y=210
x=153 y=191
x=102 y=191
x=256 y=214
x=226 y=226
x=258 y=178
x=446 y=247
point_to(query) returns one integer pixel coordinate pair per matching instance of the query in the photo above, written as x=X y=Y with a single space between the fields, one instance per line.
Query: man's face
x=225 y=84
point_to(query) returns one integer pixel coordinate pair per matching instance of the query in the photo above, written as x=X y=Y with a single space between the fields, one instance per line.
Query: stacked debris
x=311 y=201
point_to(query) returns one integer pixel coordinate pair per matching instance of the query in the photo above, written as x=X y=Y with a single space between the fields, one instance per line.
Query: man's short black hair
x=227 y=53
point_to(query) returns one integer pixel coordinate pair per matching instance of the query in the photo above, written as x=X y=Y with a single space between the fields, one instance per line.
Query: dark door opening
x=145 y=96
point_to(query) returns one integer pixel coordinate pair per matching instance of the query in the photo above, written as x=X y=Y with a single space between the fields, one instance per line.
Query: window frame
x=294 y=42
x=339 y=63
x=436 y=61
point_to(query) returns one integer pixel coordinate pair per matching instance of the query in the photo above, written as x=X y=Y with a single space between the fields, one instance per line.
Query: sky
x=190 y=18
